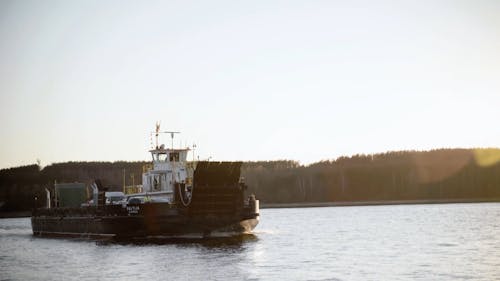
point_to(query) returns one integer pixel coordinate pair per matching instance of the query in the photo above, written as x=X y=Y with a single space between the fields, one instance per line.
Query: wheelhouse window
x=174 y=157
x=160 y=157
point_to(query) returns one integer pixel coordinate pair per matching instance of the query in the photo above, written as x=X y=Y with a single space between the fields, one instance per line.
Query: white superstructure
x=168 y=173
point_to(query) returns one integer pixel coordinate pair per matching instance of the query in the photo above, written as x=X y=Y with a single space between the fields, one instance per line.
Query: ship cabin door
x=160 y=182
x=163 y=182
x=156 y=182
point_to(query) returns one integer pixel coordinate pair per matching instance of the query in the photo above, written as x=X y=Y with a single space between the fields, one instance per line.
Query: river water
x=400 y=242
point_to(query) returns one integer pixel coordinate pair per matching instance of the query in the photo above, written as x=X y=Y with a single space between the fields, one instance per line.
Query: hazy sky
x=246 y=80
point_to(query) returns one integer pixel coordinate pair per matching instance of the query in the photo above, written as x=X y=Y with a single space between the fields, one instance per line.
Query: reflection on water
x=407 y=242
x=235 y=241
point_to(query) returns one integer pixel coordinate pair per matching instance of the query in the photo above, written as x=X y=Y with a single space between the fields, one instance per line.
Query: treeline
x=405 y=175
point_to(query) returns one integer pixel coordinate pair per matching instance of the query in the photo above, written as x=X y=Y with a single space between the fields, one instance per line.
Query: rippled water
x=406 y=242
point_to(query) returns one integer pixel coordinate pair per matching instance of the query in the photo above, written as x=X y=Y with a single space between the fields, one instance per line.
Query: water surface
x=403 y=242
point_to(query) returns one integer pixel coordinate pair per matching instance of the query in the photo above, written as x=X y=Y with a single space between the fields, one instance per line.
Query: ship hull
x=158 y=221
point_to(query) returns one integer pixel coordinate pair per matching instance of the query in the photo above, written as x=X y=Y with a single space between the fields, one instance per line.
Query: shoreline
x=375 y=203
x=25 y=214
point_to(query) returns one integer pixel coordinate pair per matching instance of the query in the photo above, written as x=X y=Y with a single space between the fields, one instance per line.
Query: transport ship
x=177 y=199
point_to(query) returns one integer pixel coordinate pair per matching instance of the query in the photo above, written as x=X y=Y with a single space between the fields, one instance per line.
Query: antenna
x=171 y=136
x=194 y=147
x=157 y=132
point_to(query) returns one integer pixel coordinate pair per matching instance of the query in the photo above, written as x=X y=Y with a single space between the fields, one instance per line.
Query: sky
x=246 y=80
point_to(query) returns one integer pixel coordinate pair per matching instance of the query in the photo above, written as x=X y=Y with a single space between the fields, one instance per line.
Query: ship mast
x=157 y=132
x=171 y=136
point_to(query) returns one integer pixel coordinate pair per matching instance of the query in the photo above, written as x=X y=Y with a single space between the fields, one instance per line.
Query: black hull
x=154 y=221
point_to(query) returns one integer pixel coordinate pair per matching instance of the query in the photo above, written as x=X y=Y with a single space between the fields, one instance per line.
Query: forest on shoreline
x=444 y=174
